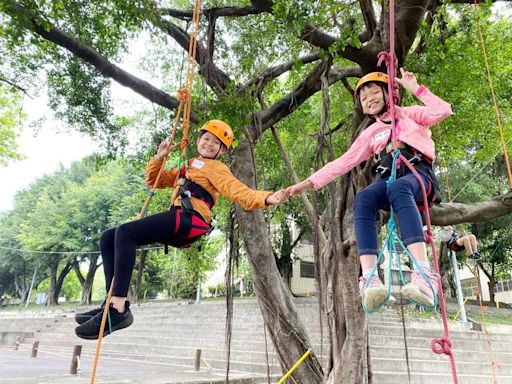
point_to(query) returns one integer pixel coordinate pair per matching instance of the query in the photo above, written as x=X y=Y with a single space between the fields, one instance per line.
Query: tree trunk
x=491 y=284
x=60 y=279
x=140 y=271
x=288 y=334
x=52 y=297
x=87 y=285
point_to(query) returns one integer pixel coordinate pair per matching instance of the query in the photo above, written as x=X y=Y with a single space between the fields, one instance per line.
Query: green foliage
x=10 y=119
x=455 y=71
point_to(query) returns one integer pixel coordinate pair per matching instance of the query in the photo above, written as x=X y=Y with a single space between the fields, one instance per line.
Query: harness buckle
x=185 y=195
x=418 y=156
x=381 y=169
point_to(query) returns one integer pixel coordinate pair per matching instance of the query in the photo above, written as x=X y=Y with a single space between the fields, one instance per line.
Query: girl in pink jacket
x=415 y=142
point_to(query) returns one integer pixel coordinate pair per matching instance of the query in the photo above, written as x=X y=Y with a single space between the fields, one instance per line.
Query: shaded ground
x=18 y=367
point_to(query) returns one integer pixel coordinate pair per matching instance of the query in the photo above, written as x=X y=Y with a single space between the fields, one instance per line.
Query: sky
x=53 y=144
x=45 y=151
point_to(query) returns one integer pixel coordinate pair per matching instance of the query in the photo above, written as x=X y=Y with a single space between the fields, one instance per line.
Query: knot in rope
x=184 y=143
x=183 y=95
x=428 y=236
x=386 y=58
x=445 y=345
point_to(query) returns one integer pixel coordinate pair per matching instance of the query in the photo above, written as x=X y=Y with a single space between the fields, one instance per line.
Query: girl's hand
x=298 y=188
x=408 y=81
x=276 y=198
x=164 y=149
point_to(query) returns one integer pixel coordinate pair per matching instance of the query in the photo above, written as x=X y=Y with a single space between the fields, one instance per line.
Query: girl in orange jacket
x=197 y=189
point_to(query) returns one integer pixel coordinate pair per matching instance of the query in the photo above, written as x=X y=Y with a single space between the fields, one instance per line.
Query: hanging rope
x=443 y=344
x=184 y=95
x=185 y=98
x=493 y=95
x=494 y=364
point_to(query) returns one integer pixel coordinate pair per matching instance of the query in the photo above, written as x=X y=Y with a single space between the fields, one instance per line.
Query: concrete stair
x=170 y=334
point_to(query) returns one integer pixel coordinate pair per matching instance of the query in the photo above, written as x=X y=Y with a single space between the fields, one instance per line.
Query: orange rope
x=494 y=364
x=100 y=335
x=495 y=103
x=505 y=153
x=184 y=95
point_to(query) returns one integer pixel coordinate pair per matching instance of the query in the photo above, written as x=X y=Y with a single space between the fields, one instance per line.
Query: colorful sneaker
x=374 y=294
x=419 y=290
x=91 y=328
x=475 y=256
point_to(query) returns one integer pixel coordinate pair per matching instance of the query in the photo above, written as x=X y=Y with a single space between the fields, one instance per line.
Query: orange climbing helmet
x=379 y=77
x=220 y=129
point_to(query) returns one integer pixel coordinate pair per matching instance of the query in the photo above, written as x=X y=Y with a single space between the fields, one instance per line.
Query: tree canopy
x=278 y=71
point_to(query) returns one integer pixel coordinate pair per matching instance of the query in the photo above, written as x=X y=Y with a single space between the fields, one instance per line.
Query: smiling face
x=209 y=146
x=372 y=99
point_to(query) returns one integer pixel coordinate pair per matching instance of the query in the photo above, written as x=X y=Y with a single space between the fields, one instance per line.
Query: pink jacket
x=412 y=128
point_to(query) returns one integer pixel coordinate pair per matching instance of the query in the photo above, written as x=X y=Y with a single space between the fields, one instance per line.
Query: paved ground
x=18 y=367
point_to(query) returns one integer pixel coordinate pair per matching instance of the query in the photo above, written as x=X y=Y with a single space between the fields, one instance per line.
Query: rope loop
x=183 y=95
x=386 y=58
x=445 y=346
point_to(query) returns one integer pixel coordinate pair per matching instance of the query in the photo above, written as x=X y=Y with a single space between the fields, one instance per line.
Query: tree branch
x=456 y=213
x=81 y=50
x=282 y=108
x=216 y=79
x=215 y=12
x=14 y=85
x=369 y=19
x=269 y=74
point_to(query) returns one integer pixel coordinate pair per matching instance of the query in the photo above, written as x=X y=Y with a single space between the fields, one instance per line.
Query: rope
x=100 y=335
x=488 y=340
x=184 y=95
x=185 y=98
x=493 y=96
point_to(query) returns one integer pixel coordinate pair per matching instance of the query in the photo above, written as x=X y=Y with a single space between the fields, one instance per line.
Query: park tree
x=11 y=119
x=261 y=61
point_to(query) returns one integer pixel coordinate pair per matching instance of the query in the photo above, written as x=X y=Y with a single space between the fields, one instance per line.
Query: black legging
x=118 y=246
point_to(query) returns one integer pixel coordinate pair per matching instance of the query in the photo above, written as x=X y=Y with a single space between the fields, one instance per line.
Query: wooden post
x=17 y=343
x=35 y=347
x=77 y=351
x=197 y=362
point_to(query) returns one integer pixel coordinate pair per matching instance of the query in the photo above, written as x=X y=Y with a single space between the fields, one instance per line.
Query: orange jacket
x=215 y=177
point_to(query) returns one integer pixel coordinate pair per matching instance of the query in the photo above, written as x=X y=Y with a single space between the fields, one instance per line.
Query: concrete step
x=415 y=341
x=440 y=366
x=433 y=377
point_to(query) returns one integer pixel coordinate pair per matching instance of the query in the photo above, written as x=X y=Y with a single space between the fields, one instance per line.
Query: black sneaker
x=91 y=328
x=81 y=318
x=475 y=256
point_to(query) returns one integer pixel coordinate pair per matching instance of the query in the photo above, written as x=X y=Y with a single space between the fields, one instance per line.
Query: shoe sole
x=374 y=297
x=82 y=319
x=124 y=324
x=416 y=295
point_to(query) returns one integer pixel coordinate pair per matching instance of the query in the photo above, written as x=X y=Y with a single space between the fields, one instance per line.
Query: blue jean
x=401 y=195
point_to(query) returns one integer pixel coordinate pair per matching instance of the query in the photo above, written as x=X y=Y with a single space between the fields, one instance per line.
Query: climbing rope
x=443 y=344
x=493 y=95
x=494 y=364
x=184 y=107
